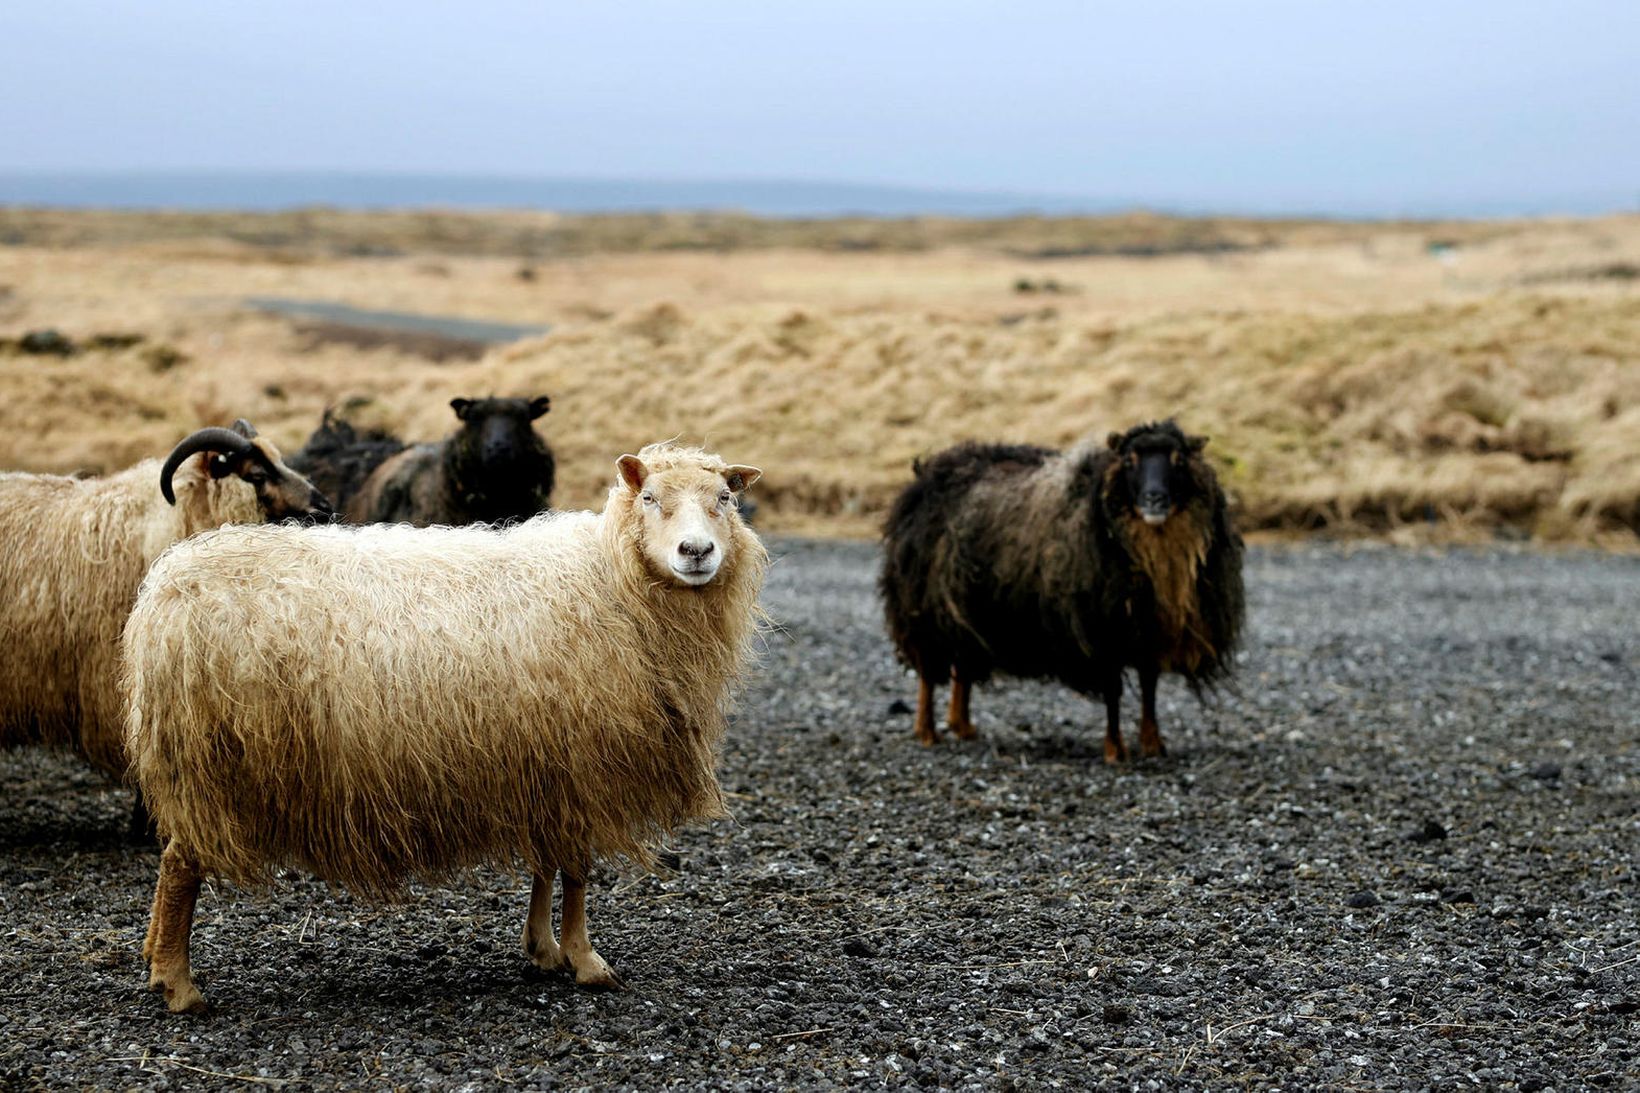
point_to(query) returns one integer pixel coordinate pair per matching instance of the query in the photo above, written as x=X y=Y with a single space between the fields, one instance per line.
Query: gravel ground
x=1401 y=853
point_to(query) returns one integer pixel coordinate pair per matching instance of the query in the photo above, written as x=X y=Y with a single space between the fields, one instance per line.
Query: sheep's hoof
x=1150 y=740
x=185 y=1001
x=593 y=973
x=964 y=730
x=1115 y=754
x=927 y=739
x=179 y=998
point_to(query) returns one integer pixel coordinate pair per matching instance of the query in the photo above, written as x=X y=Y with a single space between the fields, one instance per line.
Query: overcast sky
x=1289 y=105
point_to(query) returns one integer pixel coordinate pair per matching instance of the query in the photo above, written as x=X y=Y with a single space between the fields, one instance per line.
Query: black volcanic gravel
x=1401 y=853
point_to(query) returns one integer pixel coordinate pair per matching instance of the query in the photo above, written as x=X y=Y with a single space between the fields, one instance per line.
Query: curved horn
x=206 y=440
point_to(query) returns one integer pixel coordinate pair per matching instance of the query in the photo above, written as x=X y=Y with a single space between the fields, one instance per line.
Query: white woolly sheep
x=374 y=704
x=74 y=550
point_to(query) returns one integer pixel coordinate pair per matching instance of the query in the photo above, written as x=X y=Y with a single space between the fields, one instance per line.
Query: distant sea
x=262 y=191
x=268 y=191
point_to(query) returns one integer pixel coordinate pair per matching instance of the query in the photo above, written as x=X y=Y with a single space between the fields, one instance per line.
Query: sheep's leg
x=140 y=829
x=152 y=937
x=1150 y=733
x=168 y=930
x=1115 y=750
x=539 y=943
x=590 y=969
x=956 y=718
x=925 y=710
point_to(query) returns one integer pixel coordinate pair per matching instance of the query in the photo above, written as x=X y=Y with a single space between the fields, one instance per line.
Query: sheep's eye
x=648 y=498
x=723 y=498
x=1173 y=458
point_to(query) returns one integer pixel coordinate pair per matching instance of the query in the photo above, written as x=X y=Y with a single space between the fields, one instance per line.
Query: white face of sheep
x=688 y=516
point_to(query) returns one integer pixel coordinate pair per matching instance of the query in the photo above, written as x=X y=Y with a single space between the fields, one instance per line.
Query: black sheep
x=338 y=458
x=1069 y=565
x=495 y=468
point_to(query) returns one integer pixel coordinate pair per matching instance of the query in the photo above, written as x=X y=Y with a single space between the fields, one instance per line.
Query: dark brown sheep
x=338 y=458
x=494 y=469
x=1072 y=566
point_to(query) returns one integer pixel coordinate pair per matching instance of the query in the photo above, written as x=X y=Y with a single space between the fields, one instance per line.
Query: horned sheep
x=375 y=704
x=72 y=554
x=1068 y=565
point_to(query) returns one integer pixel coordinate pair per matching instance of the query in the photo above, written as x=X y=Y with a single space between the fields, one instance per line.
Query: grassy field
x=1424 y=381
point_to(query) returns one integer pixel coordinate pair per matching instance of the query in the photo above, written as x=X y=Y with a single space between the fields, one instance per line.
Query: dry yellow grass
x=1351 y=379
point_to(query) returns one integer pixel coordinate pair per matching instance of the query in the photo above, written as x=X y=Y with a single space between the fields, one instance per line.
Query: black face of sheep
x=283 y=495
x=497 y=430
x=1153 y=478
x=496 y=445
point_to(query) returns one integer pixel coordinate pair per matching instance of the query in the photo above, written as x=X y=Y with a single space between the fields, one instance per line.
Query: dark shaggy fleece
x=494 y=469
x=1037 y=563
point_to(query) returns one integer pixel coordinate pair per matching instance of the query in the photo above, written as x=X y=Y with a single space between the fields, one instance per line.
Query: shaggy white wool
x=379 y=703
x=72 y=553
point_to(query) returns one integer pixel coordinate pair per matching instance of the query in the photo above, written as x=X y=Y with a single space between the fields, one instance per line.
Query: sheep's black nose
x=696 y=550
x=1153 y=499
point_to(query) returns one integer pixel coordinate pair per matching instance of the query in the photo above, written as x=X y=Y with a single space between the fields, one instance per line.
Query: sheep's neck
x=699 y=636
x=1170 y=557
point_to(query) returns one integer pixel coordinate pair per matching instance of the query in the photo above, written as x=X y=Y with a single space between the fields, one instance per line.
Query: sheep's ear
x=1114 y=442
x=243 y=428
x=739 y=478
x=539 y=405
x=460 y=405
x=1197 y=443
x=633 y=472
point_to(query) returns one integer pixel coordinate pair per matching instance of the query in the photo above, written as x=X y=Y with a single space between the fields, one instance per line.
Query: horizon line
x=781 y=197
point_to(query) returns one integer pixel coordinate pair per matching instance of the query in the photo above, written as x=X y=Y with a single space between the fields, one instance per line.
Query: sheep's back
x=986 y=563
x=378 y=703
x=404 y=488
x=338 y=459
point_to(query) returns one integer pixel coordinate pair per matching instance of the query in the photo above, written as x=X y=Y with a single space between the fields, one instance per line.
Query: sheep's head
x=1156 y=471
x=281 y=493
x=495 y=434
x=684 y=500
